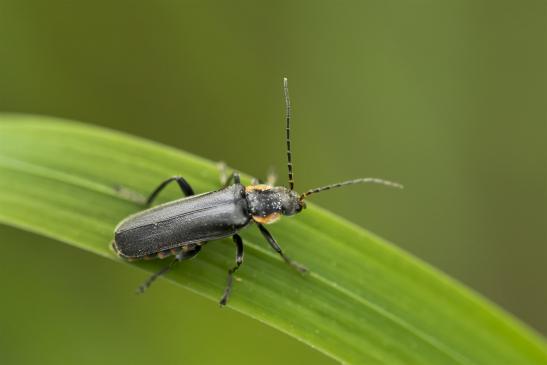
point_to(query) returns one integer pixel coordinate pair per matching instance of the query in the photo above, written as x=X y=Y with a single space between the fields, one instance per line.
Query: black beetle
x=182 y=226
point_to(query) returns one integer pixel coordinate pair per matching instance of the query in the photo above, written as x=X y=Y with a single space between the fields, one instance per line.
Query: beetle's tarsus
x=130 y=195
x=223 y=176
x=227 y=290
x=294 y=264
x=271 y=177
x=299 y=267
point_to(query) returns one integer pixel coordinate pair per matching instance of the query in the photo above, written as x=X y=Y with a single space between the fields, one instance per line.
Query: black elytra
x=181 y=227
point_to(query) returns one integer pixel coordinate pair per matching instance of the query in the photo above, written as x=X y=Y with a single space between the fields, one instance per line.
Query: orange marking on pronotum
x=259 y=187
x=267 y=219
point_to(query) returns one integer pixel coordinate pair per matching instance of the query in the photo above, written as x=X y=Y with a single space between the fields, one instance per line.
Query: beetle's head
x=290 y=201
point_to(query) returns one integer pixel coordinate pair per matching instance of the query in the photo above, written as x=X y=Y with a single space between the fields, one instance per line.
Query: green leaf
x=364 y=301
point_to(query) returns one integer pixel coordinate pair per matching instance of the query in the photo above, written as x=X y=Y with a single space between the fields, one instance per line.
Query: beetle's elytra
x=183 y=226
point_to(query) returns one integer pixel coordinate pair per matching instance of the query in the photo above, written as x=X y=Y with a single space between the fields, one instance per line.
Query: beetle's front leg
x=276 y=247
x=239 y=260
x=270 y=179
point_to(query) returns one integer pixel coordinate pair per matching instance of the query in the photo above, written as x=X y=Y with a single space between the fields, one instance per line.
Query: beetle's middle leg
x=181 y=255
x=226 y=180
x=183 y=184
x=239 y=260
x=276 y=247
x=271 y=178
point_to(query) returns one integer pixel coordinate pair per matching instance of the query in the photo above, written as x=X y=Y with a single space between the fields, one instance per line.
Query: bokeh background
x=447 y=97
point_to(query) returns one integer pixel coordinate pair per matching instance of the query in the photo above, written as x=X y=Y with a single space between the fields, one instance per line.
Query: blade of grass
x=369 y=303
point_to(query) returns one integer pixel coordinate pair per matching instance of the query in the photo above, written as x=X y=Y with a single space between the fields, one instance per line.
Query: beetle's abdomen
x=191 y=220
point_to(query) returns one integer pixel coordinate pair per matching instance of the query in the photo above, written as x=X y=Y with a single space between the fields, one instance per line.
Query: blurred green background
x=447 y=97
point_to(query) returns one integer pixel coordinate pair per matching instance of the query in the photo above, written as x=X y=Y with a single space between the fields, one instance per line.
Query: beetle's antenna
x=288 y=130
x=372 y=180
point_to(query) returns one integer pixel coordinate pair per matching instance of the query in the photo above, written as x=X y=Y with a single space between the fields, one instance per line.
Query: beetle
x=181 y=227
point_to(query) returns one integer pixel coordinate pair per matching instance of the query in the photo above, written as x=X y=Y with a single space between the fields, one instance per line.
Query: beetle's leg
x=184 y=186
x=182 y=255
x=233 y=176
x=271 y=177
x=239 y=260
x=223 y=175
x=276 y=247
x=156 y=275
x=226 y=180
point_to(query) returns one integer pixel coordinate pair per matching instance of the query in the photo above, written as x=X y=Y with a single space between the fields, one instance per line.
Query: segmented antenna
x=351 y=182
x=288 y=130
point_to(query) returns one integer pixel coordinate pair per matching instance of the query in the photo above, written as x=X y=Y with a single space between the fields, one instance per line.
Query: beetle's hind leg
x=182 y=254
x=183 y=184
x=239 y=260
